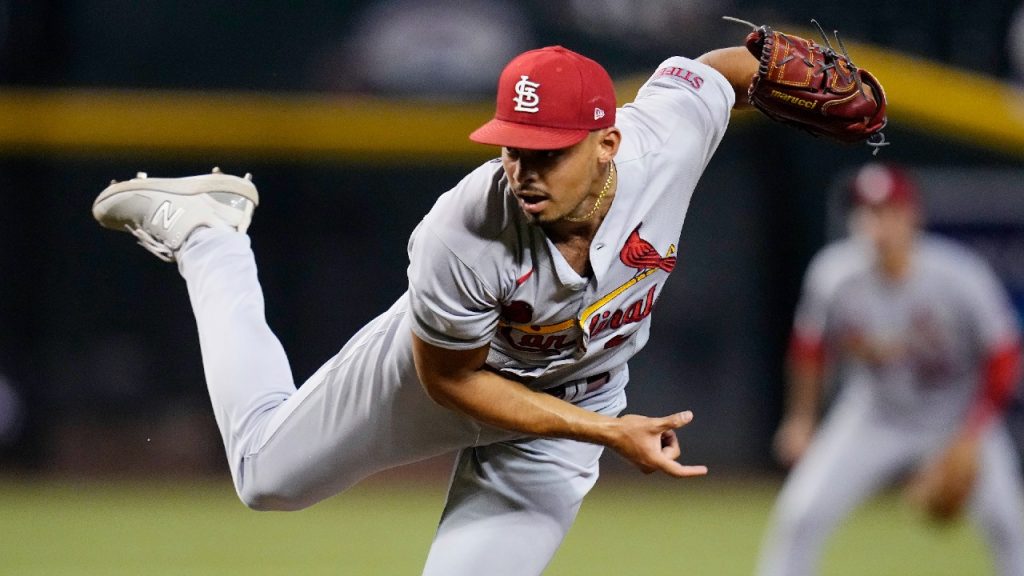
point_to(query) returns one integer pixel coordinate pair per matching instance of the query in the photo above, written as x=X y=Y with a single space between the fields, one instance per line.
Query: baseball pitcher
x=532 y=282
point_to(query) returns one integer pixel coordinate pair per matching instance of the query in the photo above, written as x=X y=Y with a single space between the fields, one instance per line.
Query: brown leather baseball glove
x=942 y=487
x=815 y=88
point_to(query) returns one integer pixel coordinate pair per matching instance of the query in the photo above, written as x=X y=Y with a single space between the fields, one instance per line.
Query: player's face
x=553 y=184
x=891 y=227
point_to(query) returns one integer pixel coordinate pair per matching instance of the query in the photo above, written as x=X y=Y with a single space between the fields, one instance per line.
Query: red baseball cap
x=879 y=184
x=549 y=98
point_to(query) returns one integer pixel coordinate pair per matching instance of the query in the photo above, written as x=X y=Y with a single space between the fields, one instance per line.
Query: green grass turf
x=642 y=526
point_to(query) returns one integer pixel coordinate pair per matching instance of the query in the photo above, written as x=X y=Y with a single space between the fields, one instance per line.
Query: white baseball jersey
x=478 y=275
x=937 y=325
x=481 y=274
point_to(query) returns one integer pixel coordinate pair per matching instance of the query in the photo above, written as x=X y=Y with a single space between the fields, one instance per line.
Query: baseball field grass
x=629 y=526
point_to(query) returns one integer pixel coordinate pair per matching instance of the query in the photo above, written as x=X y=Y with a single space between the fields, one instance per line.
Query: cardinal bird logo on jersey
x=641 y=254
x=597 y=318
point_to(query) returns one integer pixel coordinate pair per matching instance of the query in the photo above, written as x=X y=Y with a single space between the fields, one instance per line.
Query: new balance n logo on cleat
x=164 y=217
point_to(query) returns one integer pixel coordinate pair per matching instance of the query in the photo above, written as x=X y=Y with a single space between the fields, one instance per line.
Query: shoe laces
x=149 y=242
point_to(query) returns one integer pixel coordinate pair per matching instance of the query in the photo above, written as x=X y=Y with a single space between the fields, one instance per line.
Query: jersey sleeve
x=995 y=323
x=451 y=306
x=683 y=100
x=988 y=306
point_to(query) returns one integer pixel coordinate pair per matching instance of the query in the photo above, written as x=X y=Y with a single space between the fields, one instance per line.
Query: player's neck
x=566 y=232
x=595 y=206
x=563 y=231
x=895 y=264
x=895 y=256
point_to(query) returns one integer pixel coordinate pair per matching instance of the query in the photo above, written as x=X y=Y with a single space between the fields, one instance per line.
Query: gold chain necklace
x=600 y=197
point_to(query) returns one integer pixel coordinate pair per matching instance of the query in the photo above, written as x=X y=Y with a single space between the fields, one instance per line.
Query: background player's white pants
x=511 y=500
x=854 y=455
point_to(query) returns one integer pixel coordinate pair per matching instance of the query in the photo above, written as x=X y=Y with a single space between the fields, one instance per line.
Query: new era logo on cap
x=548 y=99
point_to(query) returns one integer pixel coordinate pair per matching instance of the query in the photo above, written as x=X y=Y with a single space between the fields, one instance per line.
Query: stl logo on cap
x=527 y=99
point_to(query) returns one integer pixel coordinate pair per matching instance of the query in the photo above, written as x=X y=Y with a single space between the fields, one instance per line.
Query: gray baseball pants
x=511 y=499
x=856 y=453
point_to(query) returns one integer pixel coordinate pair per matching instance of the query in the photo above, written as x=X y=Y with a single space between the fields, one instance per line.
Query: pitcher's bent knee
x=265 y=499
x=266 y=490
x=284 y=489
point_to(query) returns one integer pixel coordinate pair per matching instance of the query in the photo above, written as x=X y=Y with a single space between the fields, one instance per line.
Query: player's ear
x=608 y=143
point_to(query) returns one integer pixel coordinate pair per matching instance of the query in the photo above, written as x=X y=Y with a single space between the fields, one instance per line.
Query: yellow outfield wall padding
x=924 y=96
x=264 y=124
x=937 y=99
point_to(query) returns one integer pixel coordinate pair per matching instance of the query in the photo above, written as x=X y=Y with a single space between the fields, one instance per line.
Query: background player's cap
x=549 y=98
x=879 y=184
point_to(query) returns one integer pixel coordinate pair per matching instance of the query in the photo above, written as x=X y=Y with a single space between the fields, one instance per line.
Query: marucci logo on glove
x=809 y=104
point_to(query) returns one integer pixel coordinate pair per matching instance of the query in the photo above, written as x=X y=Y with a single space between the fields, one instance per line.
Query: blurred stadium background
x=353 y=118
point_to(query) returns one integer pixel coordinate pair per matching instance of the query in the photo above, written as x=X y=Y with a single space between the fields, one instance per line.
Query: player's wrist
x=604 y=430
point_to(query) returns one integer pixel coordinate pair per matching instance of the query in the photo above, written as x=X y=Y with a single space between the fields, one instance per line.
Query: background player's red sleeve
x=806 y=350
x=999 y=380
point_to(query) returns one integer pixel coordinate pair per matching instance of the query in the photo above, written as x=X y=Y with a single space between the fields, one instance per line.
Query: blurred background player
x=927 y=350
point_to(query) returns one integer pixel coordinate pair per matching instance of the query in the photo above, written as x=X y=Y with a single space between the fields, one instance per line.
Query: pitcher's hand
x=651 y=443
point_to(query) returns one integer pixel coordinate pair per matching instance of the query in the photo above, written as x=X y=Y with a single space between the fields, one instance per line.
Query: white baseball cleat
x=162 y=212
